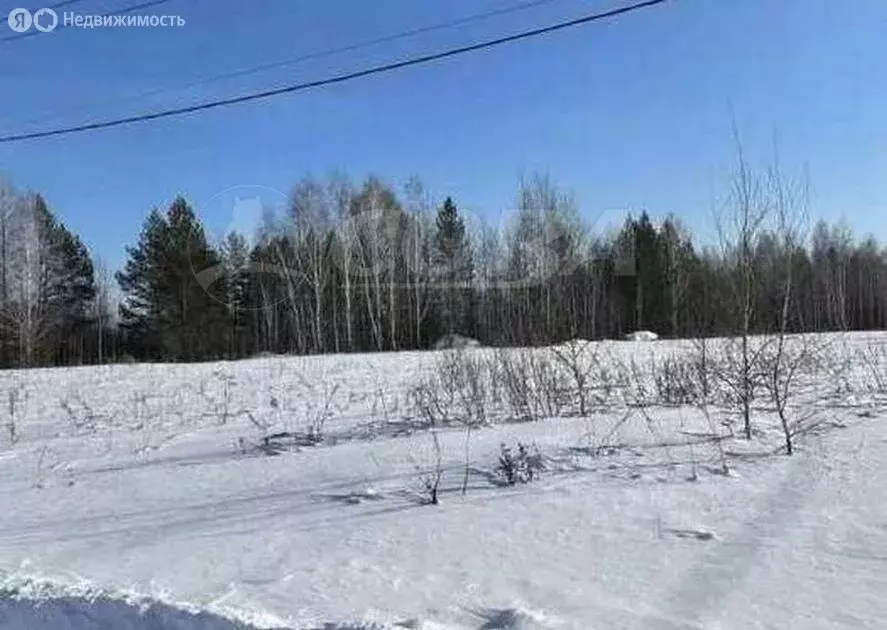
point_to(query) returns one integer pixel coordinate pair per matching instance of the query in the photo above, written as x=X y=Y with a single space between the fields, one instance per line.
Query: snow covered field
x=144 y=496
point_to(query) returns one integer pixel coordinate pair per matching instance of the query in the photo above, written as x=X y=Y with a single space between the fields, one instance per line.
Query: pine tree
x=141 y=283
x=454 y=267
x=236 y=263
x=174 y=287
x=72 y=294
x=643 y=283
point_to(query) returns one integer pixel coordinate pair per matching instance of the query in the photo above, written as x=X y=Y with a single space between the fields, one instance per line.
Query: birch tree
x=740 y=228
x=418 y=253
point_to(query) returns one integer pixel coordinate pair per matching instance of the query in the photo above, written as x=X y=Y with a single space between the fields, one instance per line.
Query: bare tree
x=341 y=194
x=8 y=205
x=789 y=204
x=310 y=216
x=677 y=274
x=831 y=251
x=489 y=270
x=419 y=253
x=26 y=315
x=284 y=260
x=104 y=307
x=369 y=215
x=740 y=229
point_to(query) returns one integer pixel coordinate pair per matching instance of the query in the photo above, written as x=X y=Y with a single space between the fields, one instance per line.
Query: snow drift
x=27 y=604
x=103 y=613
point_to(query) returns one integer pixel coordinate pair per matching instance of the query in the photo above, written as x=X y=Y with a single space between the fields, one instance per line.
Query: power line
x=138 y=7
x=58 y=5
x=63 y=4
x=312 y=55
x=341 y=78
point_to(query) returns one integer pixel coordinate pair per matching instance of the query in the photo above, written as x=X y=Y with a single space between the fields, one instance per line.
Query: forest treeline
x=367 y=267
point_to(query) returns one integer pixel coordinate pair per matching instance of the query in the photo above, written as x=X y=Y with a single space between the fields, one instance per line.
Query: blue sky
x=630 y=113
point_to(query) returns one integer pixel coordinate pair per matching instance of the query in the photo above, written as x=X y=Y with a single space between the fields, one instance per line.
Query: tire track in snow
x=695 y=600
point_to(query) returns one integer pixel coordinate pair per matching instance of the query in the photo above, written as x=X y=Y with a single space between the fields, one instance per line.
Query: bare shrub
x=220 y=404
x=44 y=456
x=49 y=462
x=469 y=380
x=430 y=478
x=608 y=381
x=241 y=446
x=874 y=362
x=430 y=403
x=17 y=398
x=837 y=370
x=639 y=384
x=319 y=408
x=513 y=380
x=262 y=428
x=578 y=358
x=739 y=370
x=531 y=384
x=680 y=381
x=467 y=462
x=140 y=413
x=12 y=421
x=520 y=467
x=431 y=487
x=718 y=440
x=702 y=367
x=285 y=441
x=382 y=407
x=784 y=360
x=81 y=414
x=605 y=445
x=685 y=378
x=653 y=425
x=260 y=425
x=456 y=392
x=317 y=415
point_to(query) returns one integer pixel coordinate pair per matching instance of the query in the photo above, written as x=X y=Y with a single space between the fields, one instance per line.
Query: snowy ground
x=136 y=497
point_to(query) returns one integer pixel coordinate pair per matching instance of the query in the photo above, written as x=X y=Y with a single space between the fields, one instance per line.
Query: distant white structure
x=642 y=335
x=453 y=341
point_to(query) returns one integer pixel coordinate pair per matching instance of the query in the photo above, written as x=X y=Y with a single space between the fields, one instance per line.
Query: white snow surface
x=642 y=335
x=134 y=498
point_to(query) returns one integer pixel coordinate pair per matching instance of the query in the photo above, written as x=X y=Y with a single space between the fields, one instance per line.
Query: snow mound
x=455 y=342
x=642 y=335
x=103 y=613
x=27 y=604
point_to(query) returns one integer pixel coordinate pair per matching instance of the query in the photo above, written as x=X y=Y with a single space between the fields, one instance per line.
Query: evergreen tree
x=454 y=267
x=141 y=282
x=72 y=294
x=170 y=310
x=643 y=284
x=236 y=263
